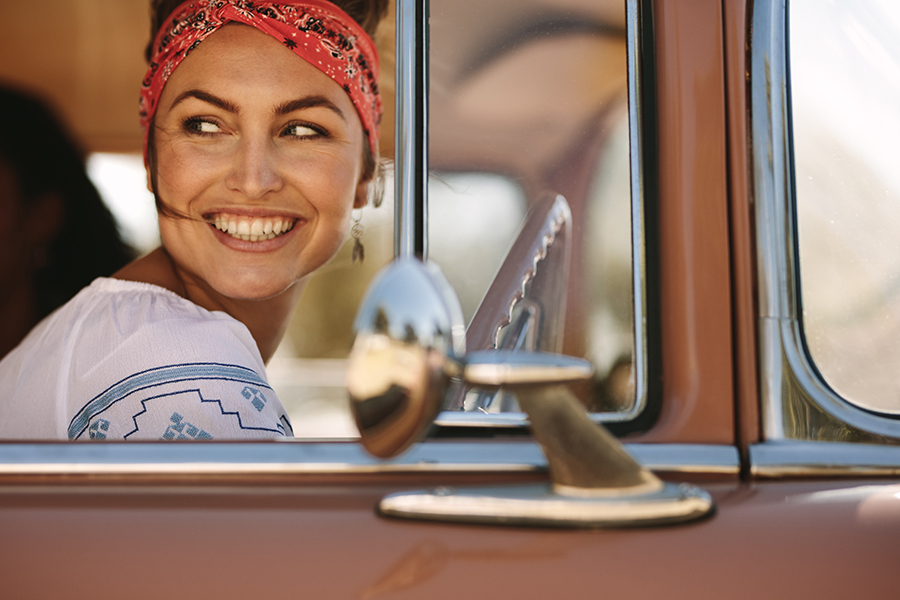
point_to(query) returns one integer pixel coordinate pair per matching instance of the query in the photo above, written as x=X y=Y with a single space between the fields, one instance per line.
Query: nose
x=254 y=171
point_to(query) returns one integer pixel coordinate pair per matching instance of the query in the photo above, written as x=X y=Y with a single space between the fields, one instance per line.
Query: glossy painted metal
x=796 y=402
x=741 y=213
x=246 y=540
x=695 y=296
x=411 y=141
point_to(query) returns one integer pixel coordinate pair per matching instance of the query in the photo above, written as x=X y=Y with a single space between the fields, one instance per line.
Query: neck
x=267 y=319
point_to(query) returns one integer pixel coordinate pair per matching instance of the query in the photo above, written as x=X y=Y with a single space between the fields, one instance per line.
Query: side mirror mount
x=410 y=343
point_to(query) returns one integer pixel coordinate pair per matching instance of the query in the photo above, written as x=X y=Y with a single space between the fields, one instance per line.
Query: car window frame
x=799 y=411
x=243 y=458
x=640 y=73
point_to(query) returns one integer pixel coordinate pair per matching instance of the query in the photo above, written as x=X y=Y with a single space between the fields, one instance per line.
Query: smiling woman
x=261 y=124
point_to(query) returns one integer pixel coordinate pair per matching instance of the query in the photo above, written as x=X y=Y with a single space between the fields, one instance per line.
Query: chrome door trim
x=795 y=402
x=823 y=459
x=293 y=458
x=687 y=458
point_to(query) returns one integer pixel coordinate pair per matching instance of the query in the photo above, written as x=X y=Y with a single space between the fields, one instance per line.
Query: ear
x=149 y=180
x=45 y=218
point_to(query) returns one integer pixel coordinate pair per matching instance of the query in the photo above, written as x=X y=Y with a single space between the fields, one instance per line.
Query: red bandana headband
x=315 y=30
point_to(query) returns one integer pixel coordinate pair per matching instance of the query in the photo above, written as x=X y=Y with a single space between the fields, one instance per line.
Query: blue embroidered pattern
x=98 y=429
x=182 y=430
x=156 y=377
x=255 y=397
x=226 y=413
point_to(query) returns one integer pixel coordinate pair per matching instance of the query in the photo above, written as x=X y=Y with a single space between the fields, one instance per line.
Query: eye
x=303 y=130
x=200 y=126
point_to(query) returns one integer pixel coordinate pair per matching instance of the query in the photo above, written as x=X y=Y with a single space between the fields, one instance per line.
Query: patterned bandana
x=315 y=30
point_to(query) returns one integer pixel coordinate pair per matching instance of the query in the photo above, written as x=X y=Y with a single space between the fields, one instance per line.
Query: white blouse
x=134 y=361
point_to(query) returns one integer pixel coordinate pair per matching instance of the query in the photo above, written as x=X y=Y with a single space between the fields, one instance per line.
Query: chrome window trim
x=638 y=231
x=821 y=459
x=338 y=458
x=411 y=139
x=796 y=402
x=638 y=228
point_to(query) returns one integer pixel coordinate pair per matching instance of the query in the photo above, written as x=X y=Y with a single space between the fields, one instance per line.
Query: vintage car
x=658 y=189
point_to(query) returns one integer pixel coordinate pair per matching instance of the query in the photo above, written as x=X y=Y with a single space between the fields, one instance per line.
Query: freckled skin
x=250 y=160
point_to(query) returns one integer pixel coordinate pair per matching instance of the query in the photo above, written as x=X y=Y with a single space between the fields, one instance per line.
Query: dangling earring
x=356 y=232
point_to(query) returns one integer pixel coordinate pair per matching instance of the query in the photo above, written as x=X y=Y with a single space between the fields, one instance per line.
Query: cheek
x=181 y=171
x=175 y=236
x=330 y=177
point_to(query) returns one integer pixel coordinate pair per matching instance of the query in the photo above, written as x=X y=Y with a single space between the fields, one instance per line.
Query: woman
x=260 y=125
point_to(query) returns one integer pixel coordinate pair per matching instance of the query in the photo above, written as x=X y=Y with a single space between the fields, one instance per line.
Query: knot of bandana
x=315 y=30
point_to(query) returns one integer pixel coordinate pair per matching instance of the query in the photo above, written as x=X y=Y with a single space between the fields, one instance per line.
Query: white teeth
x=252 y=230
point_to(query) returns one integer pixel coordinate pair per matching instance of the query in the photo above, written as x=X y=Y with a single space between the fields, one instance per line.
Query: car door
x=661 y=154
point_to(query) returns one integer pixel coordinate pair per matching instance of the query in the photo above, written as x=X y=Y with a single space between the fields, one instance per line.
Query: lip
x=250 y=212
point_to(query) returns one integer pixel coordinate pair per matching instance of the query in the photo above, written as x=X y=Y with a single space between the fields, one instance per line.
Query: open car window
x=535 y=99
x=526 y=99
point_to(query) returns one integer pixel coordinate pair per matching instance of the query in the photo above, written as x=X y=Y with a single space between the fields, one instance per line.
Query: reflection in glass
x=845 y=86
x=534 y=91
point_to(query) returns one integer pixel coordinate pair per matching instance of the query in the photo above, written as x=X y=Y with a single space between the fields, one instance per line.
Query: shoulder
x=129 y=318
x=131 y=360
x=168 y=369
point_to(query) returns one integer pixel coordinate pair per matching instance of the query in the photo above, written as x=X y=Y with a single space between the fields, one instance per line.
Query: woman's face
x=264 y=152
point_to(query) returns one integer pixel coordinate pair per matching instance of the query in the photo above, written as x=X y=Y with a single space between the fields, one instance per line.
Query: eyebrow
x=283 y=109
x=208 y=98
x=309 y=102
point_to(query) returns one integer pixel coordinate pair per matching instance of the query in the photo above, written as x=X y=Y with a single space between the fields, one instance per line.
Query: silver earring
x=356 y=232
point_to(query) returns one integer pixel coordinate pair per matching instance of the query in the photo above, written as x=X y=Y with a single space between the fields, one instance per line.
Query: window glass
x=532 y=93
x=845 y=88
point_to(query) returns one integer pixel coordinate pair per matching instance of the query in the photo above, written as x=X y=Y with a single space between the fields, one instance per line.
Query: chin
x=253 y=286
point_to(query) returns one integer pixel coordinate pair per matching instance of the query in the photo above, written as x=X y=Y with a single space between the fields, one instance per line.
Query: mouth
x=251 y=229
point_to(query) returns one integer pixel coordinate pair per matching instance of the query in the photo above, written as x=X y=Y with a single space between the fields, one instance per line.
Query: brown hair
x=368 y=13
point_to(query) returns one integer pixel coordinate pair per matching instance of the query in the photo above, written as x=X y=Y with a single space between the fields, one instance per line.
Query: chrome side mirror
x=410 y=342
x=409 y=331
